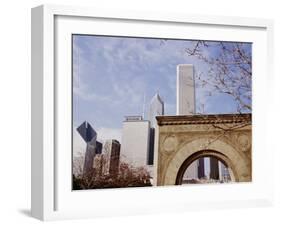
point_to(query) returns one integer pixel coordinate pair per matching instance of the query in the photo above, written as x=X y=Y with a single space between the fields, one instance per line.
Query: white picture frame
x=51 y=197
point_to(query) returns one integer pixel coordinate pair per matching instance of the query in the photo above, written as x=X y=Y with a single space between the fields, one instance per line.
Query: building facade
x=90 y=137
x=156 y=108
x=135 y=141
x=185 y=90
x=201 y=168
x=224 y=172
x=214 y=169
x=98 y=147
x=183 y=139
x=111 y=156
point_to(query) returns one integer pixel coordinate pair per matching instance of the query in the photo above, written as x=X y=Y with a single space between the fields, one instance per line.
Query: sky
x=114 y=77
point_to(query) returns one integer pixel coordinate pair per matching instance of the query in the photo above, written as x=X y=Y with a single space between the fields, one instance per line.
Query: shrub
x=127 y=176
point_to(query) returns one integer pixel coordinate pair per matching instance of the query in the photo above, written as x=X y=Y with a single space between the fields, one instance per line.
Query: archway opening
x=205 y=167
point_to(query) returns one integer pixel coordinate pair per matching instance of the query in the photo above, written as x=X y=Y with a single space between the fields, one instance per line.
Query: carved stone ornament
x=244 y=142
x=170 y=144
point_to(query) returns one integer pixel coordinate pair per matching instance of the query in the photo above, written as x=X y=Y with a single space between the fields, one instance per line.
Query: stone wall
x=182 y=139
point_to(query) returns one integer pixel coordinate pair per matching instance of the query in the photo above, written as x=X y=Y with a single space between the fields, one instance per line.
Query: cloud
x=79 y=145
x=84 y=92
x=104 y=79
x=111 y=75
x=108 y=134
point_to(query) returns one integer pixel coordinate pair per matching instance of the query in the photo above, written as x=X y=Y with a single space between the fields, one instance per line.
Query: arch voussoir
x=218 y=149
x=185 y=138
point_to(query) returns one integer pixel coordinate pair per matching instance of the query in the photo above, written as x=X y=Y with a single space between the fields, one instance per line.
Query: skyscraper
x=135 y=141
x=156 y=107
x=98 y=147
x=214 y=168
x=192 y=171
x=185 y=90
x=224 y=172
x=111 y=156
x=201 y=168
x=90 y=137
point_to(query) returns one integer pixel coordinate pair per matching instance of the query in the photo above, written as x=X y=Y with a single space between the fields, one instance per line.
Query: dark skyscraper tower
x=156 y=108
x=90 y=137
x=201 y=168
x=214 y=169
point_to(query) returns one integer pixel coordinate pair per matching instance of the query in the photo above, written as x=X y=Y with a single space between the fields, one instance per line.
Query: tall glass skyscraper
x=156 y=107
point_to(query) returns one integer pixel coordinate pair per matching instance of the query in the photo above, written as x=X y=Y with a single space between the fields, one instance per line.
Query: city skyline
x=111 y=76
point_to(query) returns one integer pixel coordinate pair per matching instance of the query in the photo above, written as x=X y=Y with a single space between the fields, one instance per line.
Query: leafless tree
x=78 y=162
x=126 y=176
x=229 y=70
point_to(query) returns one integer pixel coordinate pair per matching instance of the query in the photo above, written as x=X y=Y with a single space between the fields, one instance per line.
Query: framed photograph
x=136 y=112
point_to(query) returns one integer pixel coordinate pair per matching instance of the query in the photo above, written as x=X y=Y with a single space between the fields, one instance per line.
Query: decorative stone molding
x=204 y=119
x=227 y=137
x=244 y=142
x=170 y=143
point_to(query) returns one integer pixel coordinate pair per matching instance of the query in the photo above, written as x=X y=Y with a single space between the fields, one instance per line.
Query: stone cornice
x=204 y=119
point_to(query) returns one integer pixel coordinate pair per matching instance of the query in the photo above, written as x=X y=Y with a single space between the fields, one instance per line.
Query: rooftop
x=133 y=118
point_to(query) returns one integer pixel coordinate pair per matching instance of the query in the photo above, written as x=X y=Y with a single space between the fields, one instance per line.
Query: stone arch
x=219 y=149
x=205 y=153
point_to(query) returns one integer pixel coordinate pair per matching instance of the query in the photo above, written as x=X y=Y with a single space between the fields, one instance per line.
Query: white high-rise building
x=156 y=107
x=135 y=141
x=185 y=90
x=192 y=171
x=224 y=172
x=186 y=103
